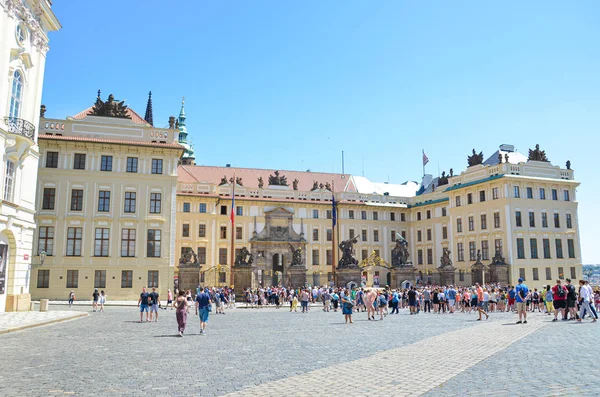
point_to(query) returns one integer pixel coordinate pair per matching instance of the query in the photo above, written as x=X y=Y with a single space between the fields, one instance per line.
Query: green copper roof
x=428 y=202
x=189 y=150
x=477 y=182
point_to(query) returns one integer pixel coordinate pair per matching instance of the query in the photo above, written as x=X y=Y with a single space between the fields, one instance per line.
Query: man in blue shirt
x=521 y=291
x=451 y=295
x=202 y=308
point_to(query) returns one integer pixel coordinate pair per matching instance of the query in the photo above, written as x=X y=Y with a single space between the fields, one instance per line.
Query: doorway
x=277 y=269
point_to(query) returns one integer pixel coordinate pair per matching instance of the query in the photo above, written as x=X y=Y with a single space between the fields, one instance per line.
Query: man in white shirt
x=586 y=296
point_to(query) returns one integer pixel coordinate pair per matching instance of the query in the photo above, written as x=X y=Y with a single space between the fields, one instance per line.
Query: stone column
x=347 y=275
x=244 y=278
x=402 y=273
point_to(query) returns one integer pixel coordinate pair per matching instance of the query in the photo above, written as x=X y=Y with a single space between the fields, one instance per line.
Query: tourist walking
x=521 y=294
x=395 y=300
x=549 y=300
x=571 y=300
x=71 y=298
x=154 y=302
x=102 y=301
x=95 y=297
x=169 y=299
x=451 y=295
x=480 y=302
x=203 y=307
x=347 y=305
x=143 y=304
x=370 y=297
x=585 y=302
x=180 y=306
x=304 y=297
x=412 y=300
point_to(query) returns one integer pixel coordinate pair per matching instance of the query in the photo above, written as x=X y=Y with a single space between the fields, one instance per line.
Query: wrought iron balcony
x=20 y=126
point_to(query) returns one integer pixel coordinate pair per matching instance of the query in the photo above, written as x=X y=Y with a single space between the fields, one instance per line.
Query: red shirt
x=555 y=293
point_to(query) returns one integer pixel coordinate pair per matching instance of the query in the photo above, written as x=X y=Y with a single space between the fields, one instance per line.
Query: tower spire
x=148 y=116
x=188 y=156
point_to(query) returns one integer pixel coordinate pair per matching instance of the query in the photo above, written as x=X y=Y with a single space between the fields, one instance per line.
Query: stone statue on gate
x=244 y=258
x=189 y=258
x=296 y=256
x=347 y=248
x=445 y=260
x=400 y=253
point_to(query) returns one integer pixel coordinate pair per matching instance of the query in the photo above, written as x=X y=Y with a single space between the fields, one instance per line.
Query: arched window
x=16 y=94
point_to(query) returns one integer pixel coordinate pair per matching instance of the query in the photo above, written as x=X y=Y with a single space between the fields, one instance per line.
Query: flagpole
x=423 y=161
x=232 y=255
x=333 y=230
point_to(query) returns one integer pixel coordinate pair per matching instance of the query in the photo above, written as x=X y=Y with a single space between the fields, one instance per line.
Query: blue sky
x=289 y=85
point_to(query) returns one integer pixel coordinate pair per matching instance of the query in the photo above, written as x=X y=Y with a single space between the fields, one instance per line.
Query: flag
x=333 y=211
x=425 y=159
x=232 y=217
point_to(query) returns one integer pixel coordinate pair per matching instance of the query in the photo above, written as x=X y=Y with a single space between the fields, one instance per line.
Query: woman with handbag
x=347 y=305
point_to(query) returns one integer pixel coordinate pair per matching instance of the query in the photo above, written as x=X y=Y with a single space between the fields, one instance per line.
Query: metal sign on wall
x=3 y=266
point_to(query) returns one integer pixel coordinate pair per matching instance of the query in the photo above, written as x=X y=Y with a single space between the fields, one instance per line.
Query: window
x=554 y=194
x=548 y=273
x=444 y=211
x=328 y=214
x=375 y=215
x=531 y=219
x=363 y=215
x=469 y=198
x=128 y=242
x=74 y=241
x=46 y=240
x=403 y=234
x=79 y=161
x=533 y=248
x=155 y=203
x=363 y=236
x=43 y=278
x=482 y=195
x=428 y=214
x=51 y=159
x=485 y=250
x=569 y=222
x=496 y=219
x=152 y=278
x=472 y=250
x=444 y=233
x=76 y=200
x=393 y=235
x=239 y=211
x=364 y=254
x=153 y=247
x=498 y=246
x=16 y=94
x=518 y=219
x=522 y=273
x=238 y=232
x=315 y=235
x=202 y=230
x=132 y=164
x=329 y=257
x=571 y=248
x=471 y=224
x=429 y=256
x=483 y=221
x=561 y=273
x=556 y=220
x=185 y=232
x=529 y=192
x=351 y=214
x=157 y=166
x=520 y=249
x=127 y=279
x=461 y=275
x=202 y=255
x=103 y=201
x=419 y=216
x=223 y=232
x=419 y=235
x=392 y=216
x=542 y=193
x=495 y=193
x=544 y=219
x=186 y=207
x=99 y=279
x=202 y=208
x=49 y=198
x=351 y=233
x=458 y=201
x=376 y=236
x=315 y=214
x=559 y=251
x=536 y=276
x=130 y=200
x=329 y=234
x=573 y=273
x=9 y=181
x=419 y=257
x=402 y=217
x=315 y=257
x=516 y=192
x=106 y=163
x=428 y=234
x=566 y=194
x=546 y=248
x=460 y=252
x=101 y=241
x=459 y=225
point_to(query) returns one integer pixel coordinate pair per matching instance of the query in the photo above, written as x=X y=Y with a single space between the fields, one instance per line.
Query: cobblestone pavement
x=13 y=321
x=274 y=352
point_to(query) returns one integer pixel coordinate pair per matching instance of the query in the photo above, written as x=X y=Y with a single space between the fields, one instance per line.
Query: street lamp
x=34 y=265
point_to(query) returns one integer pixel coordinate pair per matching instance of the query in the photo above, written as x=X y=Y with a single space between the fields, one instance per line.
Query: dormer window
x=21 y=34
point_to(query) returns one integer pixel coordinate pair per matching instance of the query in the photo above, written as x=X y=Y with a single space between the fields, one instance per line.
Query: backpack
x=536 y=296
x=560 y=291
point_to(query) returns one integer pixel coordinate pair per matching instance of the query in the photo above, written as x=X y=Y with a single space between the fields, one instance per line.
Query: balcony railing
x=20 y=126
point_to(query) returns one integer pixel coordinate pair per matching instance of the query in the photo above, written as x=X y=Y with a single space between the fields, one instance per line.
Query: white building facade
x=24 y=28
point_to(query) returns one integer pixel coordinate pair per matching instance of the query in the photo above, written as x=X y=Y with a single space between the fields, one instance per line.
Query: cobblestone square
x=272 y=352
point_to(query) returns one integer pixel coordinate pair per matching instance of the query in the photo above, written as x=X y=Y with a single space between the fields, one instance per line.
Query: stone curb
x=56 y=320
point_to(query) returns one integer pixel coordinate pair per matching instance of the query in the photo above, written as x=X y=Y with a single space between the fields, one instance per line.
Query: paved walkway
x=15 y=321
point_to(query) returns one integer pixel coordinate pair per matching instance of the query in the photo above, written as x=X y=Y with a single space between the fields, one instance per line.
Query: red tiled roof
x=136 y=118
x=213 y=175
x=114 y=141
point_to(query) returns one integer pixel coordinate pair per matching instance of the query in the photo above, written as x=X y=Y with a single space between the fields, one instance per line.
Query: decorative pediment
x=374 y=260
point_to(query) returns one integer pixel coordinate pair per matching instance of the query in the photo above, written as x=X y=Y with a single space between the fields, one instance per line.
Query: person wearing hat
x=95 y=296
x=521 y=296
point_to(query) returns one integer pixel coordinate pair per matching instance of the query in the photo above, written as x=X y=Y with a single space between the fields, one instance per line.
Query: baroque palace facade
x=24 y=29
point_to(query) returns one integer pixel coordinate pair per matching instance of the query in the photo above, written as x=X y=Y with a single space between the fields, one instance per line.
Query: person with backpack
x=521 y=295
x=571 y=300
x=536 y=300
x=559 y=297
x=381 y=304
